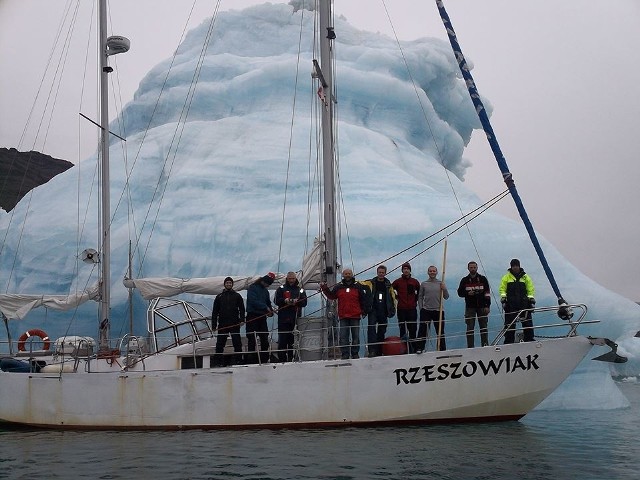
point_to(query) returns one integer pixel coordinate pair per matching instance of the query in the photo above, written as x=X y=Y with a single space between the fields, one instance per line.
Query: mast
x=105 y=233
x=106 y=47
x=325 y=73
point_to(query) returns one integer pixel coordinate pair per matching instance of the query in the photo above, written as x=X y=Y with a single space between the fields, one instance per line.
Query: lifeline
x=456 y=370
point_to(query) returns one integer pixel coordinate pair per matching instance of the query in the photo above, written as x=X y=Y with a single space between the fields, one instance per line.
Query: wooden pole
x=444 y=266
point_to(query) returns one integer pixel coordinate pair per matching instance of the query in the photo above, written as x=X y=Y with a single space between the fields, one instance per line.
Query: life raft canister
x=34 y=332
x=394 y=346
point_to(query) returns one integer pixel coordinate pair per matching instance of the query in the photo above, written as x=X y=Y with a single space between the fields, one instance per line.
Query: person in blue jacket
x=258 y=309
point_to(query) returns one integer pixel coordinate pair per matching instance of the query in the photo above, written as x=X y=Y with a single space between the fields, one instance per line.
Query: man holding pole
x=432 y=292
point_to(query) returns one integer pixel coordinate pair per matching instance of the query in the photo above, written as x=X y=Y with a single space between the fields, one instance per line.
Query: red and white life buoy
x=34 y=332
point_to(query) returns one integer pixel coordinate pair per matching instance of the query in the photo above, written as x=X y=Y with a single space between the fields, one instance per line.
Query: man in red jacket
x=353 y=304
x=407 y=289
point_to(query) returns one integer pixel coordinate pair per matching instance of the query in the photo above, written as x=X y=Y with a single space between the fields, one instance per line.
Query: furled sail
x=155 y=287
x=17 y=306
x=312 y=265
x=151 y=288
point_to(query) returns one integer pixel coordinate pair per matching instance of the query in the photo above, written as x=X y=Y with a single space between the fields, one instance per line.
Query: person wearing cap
x=383 y=307
x=258 y=309
x=407 y=289
x=290 y=299
x=227 y=316
x=517 y=293
x=432 y=292
x=474 y=288
x=353 y=304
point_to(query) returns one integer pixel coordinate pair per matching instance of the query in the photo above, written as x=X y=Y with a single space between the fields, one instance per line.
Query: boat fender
x=58 y=368
x=34 y=332
x=394 y=346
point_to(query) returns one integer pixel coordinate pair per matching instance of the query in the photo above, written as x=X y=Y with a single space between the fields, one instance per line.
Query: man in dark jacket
x=383 y=307
x=258 y=309
x=353 y=304
x=474 y=288
x=226 y=317
x=290 y=299
x=407 y=289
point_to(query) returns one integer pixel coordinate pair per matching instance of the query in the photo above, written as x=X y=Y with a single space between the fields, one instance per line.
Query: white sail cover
x=151 y=288
x=17 y=306
x=155 y=287
x=311 y=274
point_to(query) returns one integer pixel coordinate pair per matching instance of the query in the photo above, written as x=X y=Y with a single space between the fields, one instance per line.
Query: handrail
x=525 y=311
x=311 y=342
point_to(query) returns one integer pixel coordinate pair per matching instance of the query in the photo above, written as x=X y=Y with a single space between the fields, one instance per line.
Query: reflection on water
x=546 y=444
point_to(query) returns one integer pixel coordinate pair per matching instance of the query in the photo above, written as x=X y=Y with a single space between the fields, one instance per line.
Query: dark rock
x=20 y=172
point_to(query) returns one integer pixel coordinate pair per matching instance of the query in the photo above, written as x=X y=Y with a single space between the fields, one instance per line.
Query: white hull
x=453 y=386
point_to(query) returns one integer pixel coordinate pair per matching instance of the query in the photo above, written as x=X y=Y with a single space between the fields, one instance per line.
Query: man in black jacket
x=474 y=288
x=227 y=316
x=383 y=307
x=291 y=299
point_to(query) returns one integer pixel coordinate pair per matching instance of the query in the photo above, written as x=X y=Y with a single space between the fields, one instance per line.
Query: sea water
x=585 y=444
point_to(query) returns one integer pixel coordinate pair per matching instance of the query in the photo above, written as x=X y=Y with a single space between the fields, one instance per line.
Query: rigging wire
x=429 y=126
x=464 y=220
x=81 y=220
x=336 y=156
x=72 y=19
x=315 y=183
x=291 y=125
x=177 y=135
x=57 y=77
x=122 y=134
x=495 y=148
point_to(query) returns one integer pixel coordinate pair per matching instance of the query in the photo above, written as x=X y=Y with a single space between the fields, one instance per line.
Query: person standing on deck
x=227 y=316
x=290 y=299
x=383 y=307
x=474 y=288
x=353 y=304
x=517 y=293
x=431 y=292
x=407 y=289
x=258 y=309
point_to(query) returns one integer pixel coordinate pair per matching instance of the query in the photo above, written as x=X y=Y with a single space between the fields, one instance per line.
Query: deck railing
x=316 y=338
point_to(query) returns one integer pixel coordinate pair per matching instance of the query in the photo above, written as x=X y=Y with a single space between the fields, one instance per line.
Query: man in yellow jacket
x=517 y=293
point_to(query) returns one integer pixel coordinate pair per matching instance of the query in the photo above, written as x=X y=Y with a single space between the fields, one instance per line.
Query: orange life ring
x=34 y=332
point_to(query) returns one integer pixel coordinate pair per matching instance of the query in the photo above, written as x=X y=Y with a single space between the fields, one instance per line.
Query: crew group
x=378 y=299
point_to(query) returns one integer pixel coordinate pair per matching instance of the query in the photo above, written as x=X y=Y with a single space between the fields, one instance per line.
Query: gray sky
x=562 y=77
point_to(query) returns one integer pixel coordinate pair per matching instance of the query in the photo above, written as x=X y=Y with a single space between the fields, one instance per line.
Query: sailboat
x=168 y=380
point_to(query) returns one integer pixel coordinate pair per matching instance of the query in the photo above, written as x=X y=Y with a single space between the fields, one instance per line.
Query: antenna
x=117 y=44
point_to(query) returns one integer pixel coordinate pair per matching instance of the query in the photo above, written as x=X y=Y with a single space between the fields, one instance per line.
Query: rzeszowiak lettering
x=457 y=370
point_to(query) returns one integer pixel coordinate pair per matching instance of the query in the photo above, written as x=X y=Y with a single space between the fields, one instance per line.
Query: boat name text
x=456 y=370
